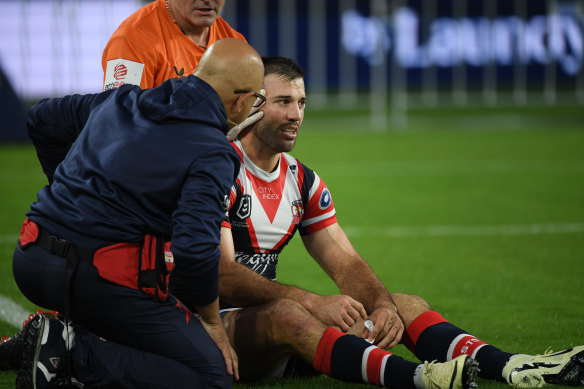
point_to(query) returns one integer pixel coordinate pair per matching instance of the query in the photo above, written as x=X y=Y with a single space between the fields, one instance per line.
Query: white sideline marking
x=9 y=239
x=458 y=230
x=454 y=167
x=445 y=230
x=12 y=313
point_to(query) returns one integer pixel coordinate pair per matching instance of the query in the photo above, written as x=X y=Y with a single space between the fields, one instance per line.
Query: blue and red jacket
x=139 y=162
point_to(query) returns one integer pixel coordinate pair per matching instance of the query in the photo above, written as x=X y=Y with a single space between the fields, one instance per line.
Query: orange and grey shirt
x=148 y=48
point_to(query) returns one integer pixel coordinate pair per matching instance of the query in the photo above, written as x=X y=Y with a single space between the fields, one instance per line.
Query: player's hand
x=388 y=328
x=339 y=310
x=254 y=115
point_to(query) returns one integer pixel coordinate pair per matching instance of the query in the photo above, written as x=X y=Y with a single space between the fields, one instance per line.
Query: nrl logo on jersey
x=297 y=211
x=244 y=210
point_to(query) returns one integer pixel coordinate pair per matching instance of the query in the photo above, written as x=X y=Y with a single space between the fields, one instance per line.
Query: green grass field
x=481 y=212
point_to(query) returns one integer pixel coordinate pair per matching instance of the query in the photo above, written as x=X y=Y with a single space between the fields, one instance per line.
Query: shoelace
x=428 y=369
x=548 y=351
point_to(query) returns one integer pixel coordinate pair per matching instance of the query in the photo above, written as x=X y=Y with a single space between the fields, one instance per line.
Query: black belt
x=63 y=248
x=69 y=251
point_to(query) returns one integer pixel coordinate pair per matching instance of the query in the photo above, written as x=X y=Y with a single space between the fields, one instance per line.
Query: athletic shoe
x=11 y=347
x=459 y=373
x=45 y=355
x=561 y=368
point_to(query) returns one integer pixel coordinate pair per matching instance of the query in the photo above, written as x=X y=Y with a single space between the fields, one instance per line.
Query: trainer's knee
x=220 y=380
x=215 y=373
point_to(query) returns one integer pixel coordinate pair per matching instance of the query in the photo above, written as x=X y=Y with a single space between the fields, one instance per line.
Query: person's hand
x=217 y=332
x=388 y=328
x=254 y=115
x=212 y=323
x=338 y=310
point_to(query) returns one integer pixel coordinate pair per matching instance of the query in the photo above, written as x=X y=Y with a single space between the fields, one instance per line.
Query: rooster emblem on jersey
x=297 y=211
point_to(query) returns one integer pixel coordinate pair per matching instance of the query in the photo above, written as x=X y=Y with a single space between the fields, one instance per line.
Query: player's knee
x=409 y=302
x=289 y=316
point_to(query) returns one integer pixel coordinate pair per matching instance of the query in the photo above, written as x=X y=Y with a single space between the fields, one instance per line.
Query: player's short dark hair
x=284 y=67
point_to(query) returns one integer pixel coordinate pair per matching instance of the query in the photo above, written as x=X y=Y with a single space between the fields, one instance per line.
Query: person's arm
x=196 y=236
x=211 y=321
x=331 y=248
x=126 y=60
x=196 y=232
x=241 y=286
x=54 y=124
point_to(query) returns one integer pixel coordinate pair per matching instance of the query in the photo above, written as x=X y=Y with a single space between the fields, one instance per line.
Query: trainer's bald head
x=230 y=64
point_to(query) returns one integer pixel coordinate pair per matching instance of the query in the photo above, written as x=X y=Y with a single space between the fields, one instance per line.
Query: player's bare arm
x=243 y=287
x=331 y=248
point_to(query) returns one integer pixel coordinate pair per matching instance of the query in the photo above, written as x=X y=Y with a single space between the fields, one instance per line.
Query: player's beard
x=272 y=136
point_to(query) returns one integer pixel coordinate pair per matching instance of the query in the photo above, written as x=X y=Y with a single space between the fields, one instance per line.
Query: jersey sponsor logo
x=325 y=199
x=121 y=71
x=297 y=211
x=262 y=263
x=226 y=203
x=267 y=193
x=244 y=210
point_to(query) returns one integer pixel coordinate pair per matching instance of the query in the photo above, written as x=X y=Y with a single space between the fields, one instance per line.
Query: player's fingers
x=398 y=337
x=393 y=334
x=359 y=310
x=379 y=329
x=343 y=326
x=354 y=314
x=348 y=321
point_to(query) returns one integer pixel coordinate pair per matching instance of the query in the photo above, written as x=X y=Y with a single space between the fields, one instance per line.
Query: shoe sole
x=14 y=364
x=30 y=364
x=571 y=375
x=469 y=373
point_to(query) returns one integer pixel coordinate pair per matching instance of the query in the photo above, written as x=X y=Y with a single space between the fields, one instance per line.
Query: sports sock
x=431 y=337
x=349 y=358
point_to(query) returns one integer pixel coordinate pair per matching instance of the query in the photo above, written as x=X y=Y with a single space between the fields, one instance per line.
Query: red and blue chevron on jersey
x=266 y=209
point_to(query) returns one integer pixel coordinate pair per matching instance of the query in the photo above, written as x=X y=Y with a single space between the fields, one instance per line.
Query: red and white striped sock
x=352 y=359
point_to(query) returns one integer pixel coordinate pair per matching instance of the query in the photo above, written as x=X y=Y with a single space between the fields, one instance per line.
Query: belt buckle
x=59 y=247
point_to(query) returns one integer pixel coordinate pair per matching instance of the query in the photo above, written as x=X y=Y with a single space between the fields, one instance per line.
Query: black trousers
x=123 y=338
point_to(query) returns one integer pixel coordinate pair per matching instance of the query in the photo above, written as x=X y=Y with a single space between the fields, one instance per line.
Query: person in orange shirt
x=164 y=39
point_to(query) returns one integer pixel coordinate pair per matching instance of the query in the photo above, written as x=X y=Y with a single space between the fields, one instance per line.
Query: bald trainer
x=145 y=166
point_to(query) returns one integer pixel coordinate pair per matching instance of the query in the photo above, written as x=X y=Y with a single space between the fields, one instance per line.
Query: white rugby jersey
x=266 y=209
